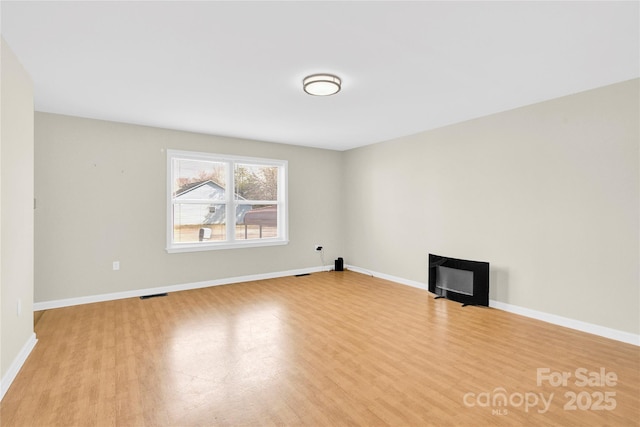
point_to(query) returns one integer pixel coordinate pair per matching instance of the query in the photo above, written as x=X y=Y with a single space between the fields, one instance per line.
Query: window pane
x=204 y=187
x=254 y=182
x=256 y=222
x=198 y=179
x=198 y=222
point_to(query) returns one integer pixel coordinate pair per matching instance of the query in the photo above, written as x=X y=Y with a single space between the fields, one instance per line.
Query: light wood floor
x=328 y=349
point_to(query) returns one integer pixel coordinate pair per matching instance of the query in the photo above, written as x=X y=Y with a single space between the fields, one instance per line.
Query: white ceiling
x=235 y=68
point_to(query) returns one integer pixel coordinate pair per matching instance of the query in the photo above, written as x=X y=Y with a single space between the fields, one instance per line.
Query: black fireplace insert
x=460 y=280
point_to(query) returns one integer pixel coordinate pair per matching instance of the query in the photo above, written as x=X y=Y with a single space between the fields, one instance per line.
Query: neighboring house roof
x=193 y=185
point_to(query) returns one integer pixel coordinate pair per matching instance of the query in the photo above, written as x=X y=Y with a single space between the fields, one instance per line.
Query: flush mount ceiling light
x=321 y=84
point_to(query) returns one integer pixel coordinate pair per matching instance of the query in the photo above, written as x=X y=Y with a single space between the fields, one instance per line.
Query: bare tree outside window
x=256 y=182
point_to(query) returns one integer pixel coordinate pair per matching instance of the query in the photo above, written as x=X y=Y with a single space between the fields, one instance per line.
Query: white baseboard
x=388 y=277
x=579 y=325
x=590 y=328
x=16 y=365
x=68 y=302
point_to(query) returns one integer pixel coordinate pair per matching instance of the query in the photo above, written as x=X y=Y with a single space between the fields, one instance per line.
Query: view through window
x=218 y=201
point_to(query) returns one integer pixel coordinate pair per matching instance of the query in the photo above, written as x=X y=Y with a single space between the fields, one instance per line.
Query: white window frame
x=230 y=203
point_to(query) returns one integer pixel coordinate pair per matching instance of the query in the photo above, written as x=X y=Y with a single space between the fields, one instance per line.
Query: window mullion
x=231 y=206
x=256 y=202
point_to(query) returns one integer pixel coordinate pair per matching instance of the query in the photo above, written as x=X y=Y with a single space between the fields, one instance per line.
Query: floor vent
x=303 y=274
x=153 y=296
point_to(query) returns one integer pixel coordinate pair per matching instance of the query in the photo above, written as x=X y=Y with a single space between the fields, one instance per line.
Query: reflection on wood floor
x=329 y=349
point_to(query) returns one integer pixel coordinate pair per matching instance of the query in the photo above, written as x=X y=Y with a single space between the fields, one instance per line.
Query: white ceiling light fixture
x=322 y=84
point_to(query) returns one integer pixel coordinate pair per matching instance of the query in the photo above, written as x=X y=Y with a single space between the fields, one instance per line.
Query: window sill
x=198 y=247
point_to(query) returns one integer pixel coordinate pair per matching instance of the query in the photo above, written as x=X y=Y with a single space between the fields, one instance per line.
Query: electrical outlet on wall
x=116 y=265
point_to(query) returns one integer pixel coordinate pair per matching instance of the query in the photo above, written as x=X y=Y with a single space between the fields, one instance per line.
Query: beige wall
x=548 y=194
x=16 y=208
x=101 y=193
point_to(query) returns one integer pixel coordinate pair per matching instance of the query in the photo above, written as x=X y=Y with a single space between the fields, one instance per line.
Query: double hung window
x=220 y=201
